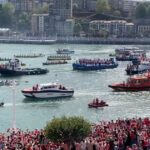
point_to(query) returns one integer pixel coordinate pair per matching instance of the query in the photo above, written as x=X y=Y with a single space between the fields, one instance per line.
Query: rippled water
x=87 y=85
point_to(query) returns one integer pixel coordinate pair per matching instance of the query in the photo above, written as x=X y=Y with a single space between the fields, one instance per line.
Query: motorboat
x=140 y=82
x=64 y=51
x=97 y=103
x=14 y=68
x=94 y=64
x=143 y=67
x=49 y=90
x=129 y=54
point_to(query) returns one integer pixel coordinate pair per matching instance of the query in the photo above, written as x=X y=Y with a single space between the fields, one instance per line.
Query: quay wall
x=74 y=40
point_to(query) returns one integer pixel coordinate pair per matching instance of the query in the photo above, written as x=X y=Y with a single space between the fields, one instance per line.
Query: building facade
x=117 y=28
x=60 y=11
x=23 y=5
x=40 y=25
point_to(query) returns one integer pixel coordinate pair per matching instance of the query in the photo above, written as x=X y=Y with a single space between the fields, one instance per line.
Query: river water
x=87 y=85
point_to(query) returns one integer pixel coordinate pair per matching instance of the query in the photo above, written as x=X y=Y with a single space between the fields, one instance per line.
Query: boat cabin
x=45 y=87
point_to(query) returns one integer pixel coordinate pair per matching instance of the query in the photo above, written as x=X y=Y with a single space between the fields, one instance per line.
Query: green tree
x=117 y=13
x=6 y=14
x=42 y=10
x=102 y=6
x=77 y=28
x=67 y=130
x=24 y=21
x=141 y=11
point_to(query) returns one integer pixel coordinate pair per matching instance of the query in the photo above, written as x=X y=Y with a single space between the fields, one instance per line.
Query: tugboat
x=50 y=90
x=95 y=64
x=134 y=83
x=64 y=51
x=97 y=103
x=13 y=68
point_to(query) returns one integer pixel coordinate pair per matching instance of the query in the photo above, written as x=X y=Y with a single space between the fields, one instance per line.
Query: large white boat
x=49 y=90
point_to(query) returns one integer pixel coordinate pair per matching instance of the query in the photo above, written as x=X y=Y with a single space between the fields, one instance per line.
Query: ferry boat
x=96 y=103
x=132 y=69
x=55 y=62
x=134 y=83
x=129 y=54
x=29 y=56
x=50 y=90
x=14 y=68
x=64 y=51
x=59 y=57
x=95 y=64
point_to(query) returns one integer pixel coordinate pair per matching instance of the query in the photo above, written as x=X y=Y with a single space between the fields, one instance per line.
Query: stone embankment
x=73 y=40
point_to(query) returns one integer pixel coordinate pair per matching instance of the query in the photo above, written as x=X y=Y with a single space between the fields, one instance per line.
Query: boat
x=94 y=64
x=97 y=103
x=49 y=90
x=55 y=62
x=129 y=54
x=132 y=69
x=1 y=104
x=134 y=83
x=14 y=68
x=29 y=56
x=59 y=57
x=64 y=51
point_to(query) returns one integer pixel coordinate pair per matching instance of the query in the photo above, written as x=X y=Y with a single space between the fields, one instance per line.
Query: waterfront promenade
x=72 y=40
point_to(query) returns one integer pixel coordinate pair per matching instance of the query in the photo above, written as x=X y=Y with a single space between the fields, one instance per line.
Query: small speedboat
x=1 y=104
x=97 y=103
x=64 y=51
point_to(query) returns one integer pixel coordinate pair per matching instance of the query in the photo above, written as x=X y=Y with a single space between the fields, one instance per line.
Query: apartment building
x=113 y=27
x=40 y=25
x=23 y=5
x=59 y=13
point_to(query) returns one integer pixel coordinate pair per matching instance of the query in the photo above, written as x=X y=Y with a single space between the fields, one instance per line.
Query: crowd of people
x=128 y=134
x=86 y=61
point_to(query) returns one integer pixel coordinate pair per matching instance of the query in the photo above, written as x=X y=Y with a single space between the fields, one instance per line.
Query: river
x=87 y=85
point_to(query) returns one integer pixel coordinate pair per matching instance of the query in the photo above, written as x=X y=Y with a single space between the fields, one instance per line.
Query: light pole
x=14 y=104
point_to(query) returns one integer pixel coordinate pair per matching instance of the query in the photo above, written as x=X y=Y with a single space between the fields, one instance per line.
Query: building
x=142 y=27
x=40 y=25
x=129 y=6
x=118 y=28
x=60 y=17
x=3 y=1
x=23 y=5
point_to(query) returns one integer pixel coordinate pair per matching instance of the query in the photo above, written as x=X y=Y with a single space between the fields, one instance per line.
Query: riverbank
x=74 y=40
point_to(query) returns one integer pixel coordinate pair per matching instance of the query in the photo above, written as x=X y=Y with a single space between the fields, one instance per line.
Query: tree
x=77 y=28
x=6 y=14
x=141 y=11
x=42 y=10
x=67 y=130
x=117 y=13
x=102 y=6
x=24 y=21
